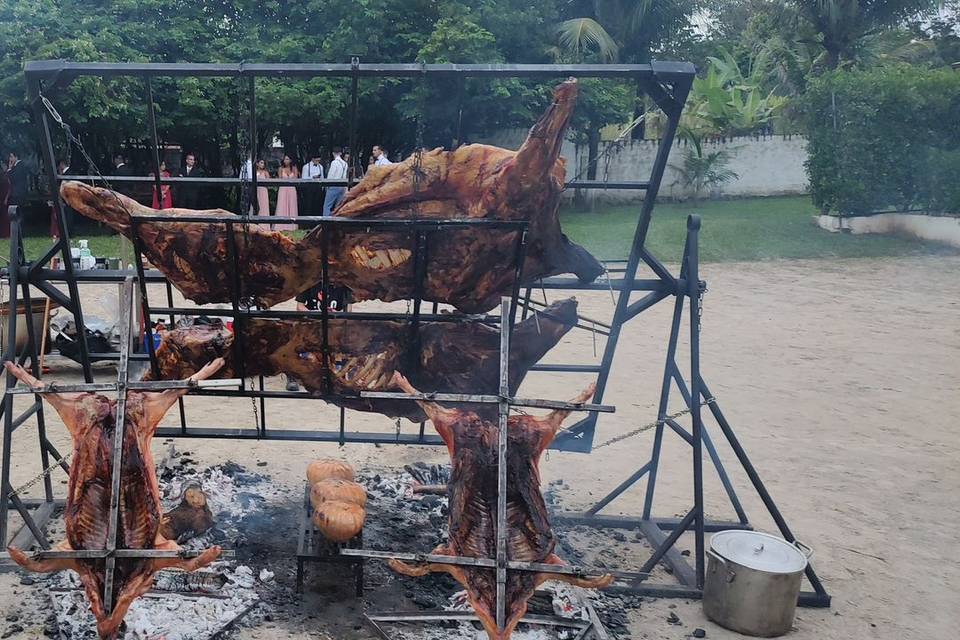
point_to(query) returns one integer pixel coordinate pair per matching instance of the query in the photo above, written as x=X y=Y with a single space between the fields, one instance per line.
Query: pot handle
x=804 y=549
x=731 y=574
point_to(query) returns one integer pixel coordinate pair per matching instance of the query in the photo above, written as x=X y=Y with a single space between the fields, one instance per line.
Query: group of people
x=14 y=188
x=309 y=198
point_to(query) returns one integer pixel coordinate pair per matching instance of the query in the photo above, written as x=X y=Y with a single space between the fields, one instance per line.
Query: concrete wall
x=944 y=229
x=767 y=166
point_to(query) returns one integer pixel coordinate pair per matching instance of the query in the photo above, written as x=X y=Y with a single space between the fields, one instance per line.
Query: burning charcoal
x=673 y=619
x=619 y=536
x=698 y=633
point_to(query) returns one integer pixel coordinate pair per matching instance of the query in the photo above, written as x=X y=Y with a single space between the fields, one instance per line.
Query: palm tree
x=843 y=24
x=623 y=30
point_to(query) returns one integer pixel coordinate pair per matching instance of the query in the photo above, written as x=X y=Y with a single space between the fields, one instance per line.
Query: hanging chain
x=256 y=412
x=650 y=425
x=43 y=474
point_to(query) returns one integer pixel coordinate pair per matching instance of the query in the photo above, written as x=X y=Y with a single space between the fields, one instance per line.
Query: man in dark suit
x=188 y=195
x=19 y=177
x=121 y=168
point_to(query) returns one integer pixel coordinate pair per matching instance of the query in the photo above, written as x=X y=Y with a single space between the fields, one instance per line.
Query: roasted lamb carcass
x=454 y=357
x=91 y=420
x=473 y=446
x=468 y=268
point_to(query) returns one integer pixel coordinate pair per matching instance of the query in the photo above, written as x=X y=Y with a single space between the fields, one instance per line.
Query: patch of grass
x=747 y=229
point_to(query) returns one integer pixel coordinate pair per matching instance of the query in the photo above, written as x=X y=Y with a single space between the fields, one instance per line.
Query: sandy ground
x=841 y=379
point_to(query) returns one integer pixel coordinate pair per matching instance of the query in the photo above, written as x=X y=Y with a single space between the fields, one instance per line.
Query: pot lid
x=759 y=551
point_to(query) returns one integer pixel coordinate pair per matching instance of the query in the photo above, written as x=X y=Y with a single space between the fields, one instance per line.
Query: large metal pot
x=753 y=581
x=37 y=305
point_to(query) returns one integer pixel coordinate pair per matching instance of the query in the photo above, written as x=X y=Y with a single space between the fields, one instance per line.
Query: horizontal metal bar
x=601 y=184
x=157 y=385
x=480 y=398
x=467 y=561
x=210 y=180
x=664 y=71
x=352 y=315
x=806 y=598
x=95 y=554
x=411 y=224
x=567 y=368
x=426 y=616
x=299 y=435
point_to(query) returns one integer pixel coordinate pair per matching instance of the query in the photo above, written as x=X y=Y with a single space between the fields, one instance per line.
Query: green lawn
x=748 y=229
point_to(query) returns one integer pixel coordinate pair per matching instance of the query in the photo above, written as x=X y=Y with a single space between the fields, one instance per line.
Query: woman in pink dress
x=287 y=196
x=166 y=201
x=263 y=194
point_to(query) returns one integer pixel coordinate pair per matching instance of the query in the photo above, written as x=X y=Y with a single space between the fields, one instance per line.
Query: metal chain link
x=43 y=474
x=650 y=425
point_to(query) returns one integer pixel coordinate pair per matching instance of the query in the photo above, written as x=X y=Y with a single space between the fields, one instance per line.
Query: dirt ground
x=841 y=379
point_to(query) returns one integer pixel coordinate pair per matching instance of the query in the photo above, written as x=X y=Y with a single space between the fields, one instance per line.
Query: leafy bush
x=887 y=137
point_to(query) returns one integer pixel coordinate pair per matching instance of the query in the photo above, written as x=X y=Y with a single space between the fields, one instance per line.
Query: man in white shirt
x=310 y=195
x=337 y=171
x=380 y=156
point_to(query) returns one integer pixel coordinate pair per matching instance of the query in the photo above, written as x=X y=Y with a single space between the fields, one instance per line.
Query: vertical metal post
x=126 y=302
x=46 y=148
x=144 y=299
x=325 y=305
x=354 y=107
x=236 y=293
x=154 y=141
x=10 y=354
x=693 y=292
x=504 y=412
x=519 y=257
x=254 y=151
x=173 y=324
x=665 y=388
x=33 y=349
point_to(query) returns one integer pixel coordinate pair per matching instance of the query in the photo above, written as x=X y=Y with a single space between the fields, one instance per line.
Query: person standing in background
x=337 y=171
x=380 y=156
x=287 y=196
x=188 y=195
x=164 y=199
x=312 y=193
x=4 y=197
x=263 y=194
x=19 y=177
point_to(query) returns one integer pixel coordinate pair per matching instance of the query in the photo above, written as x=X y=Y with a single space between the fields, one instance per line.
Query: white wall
x=767 y=166
x=944 y=229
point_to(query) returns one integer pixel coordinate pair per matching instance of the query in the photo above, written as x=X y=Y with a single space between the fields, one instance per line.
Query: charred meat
x=454 y=357
x=92 y=419
x=470 y=268
x=473 y=446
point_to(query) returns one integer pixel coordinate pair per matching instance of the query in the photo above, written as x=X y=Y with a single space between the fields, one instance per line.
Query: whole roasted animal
x=473 y=446
x=454 y=357
x=470 y=268
x=91 y=420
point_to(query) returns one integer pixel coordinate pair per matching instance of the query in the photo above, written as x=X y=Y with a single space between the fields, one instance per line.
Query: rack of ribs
x=473 y=446
x=470 y=268
x=454 y=357
x=91 y=421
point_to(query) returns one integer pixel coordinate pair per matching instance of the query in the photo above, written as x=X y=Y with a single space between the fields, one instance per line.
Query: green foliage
x=885 y=137
x=206 y=114
x=705 y=169
x=842 y=25
x=726 y=101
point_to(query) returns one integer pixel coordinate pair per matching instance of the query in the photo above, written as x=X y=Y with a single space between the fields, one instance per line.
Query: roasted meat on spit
x=91 y=420
x=470 y=268
x=454 y=357
x=473 y=446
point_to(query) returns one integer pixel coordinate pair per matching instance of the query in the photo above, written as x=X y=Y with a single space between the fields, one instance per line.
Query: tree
x=842 y=25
